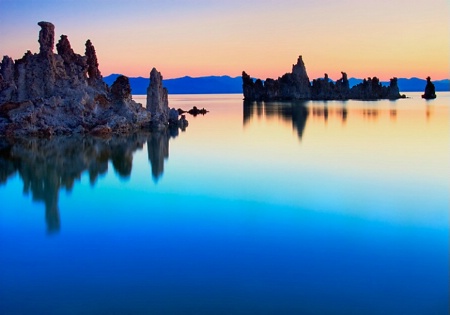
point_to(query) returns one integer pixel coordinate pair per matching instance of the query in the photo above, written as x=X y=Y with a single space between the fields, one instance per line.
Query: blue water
x=277 y=208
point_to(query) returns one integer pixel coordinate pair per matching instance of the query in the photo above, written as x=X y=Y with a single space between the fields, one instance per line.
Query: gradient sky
x=383 y=38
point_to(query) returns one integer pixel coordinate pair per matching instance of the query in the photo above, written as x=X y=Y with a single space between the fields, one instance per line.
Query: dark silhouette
x=194 y=111
x=430 y=91
x=296 y=86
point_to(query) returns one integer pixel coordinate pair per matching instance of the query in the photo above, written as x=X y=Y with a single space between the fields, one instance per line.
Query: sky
x=383 y=38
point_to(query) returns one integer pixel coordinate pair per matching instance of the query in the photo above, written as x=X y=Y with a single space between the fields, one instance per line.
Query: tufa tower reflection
x=48 y=165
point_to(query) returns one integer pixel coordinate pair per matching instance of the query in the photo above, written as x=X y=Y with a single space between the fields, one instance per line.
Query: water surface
x=257 y=208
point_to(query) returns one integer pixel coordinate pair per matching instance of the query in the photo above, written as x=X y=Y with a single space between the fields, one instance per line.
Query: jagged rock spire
x=299 y=69
x=157 y=100
x=64 y=49
x=7 y=69
x=92 y=62
x=46 y=38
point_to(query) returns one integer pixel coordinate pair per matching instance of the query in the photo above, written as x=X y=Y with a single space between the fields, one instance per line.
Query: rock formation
x=158 y=104
x=157 y=99
x=430 y=91
x=60 y=93
x=372 y=89
x=296 y=86
x=46 y=38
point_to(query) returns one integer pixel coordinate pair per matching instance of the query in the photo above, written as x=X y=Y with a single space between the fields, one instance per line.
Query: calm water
x=275 y=208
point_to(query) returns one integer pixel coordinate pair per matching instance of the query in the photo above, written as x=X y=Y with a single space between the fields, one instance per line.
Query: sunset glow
x=198 y=38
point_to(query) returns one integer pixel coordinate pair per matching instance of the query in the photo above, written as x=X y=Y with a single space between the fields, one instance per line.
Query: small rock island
x=45 y=94
x=297 y=86
x=430 y=90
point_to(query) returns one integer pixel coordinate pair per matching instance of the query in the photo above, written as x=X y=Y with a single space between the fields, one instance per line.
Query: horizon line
x=234 y=77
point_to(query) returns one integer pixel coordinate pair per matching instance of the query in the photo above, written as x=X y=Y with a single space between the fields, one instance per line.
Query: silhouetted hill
x=187 y=85
x=227 y=84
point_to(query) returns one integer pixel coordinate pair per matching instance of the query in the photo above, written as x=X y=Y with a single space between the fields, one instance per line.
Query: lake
x=256 y=208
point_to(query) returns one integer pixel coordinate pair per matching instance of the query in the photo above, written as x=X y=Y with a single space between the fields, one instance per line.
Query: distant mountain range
x=227 y=84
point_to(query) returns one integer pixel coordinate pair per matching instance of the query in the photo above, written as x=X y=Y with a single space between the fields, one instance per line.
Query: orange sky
x=198 y=37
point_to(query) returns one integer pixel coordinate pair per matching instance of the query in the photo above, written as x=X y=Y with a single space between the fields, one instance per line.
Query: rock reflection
x=295 y=112
x=48 y=165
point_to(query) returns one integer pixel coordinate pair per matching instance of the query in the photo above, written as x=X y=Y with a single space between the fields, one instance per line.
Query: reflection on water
x=298 y=112
x=246 y=220
x=48 y=165
x=294 y=111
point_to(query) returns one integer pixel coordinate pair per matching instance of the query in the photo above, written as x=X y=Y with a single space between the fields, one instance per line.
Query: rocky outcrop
x=158 y=104
x=372 y=89
x=430 y=90
x=60 y=93
x=296 y=86
x=325 y=89
x=46 y=38
x=157 y=97
x=7 y=84
x=94 y=76
x=121 y=90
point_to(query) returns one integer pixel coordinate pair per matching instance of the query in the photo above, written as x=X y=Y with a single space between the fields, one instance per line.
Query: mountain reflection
x=295 y=112
x=48 y=165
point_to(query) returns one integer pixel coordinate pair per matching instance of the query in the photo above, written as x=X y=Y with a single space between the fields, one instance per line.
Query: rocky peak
x=64 y=49
x=157 y=100
x=7 y=69
x=92 y=62
x=299 y=69
x=121 y=90
x=46 y=38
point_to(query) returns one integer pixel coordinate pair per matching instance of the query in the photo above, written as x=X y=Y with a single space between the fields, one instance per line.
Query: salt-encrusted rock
x=95 y=77
x=7 y=85
x=121 y=89
x=46 y=38
x=430 y=90
x=157 y=99
x=50 y=94
x=7 y=69
x=75 y=66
